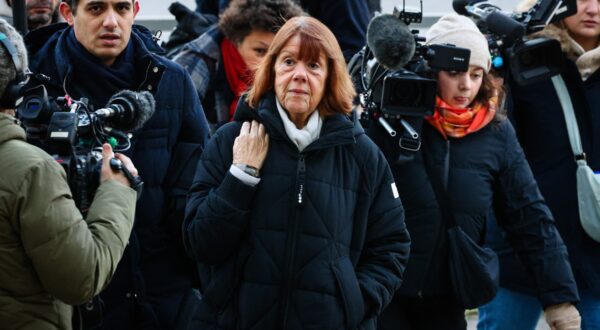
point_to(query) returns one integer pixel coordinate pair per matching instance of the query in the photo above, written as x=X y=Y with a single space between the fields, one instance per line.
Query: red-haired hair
x=315 y=39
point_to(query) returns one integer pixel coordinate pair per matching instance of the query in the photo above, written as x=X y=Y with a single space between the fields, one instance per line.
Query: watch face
x=250 y=170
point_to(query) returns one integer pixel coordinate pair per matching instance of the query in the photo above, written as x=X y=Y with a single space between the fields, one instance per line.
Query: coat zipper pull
x=301 y=173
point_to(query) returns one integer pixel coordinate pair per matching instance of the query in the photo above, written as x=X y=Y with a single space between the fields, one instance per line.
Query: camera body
x=398 y=99
x=71 y=132
x=527 y=61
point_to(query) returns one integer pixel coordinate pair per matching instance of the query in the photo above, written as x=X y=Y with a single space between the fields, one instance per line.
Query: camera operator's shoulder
x=502 y=129
x=21 y=158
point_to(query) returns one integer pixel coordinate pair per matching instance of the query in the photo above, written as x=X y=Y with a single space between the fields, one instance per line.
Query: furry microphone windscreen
x=137 y=109
x=391 y=41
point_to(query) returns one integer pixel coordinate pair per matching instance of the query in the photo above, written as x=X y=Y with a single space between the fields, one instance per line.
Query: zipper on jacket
x=446 y=165
x=300 y=177
x=290 y=247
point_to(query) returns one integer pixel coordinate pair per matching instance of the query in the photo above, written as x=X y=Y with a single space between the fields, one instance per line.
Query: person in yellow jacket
x=50 y=257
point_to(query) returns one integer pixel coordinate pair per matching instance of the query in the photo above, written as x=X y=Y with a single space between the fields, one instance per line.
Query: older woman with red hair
x=293 y=208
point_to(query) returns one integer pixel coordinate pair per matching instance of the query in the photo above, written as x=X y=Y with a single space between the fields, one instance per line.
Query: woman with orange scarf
x=470 y=157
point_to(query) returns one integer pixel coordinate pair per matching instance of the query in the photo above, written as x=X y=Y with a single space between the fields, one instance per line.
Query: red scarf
x=458 y=122
x=238 y=75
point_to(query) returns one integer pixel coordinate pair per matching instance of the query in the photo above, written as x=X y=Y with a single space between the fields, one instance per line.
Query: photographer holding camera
x=469 y=163
x=98 y=53
x=49 y=256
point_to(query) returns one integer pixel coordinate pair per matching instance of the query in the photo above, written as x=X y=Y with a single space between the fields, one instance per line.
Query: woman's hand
x=251 y=146
x=563 y=317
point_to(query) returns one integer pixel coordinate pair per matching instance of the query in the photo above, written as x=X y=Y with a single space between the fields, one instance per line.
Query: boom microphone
x=127 y=110
x=502 y=25
x=497 y=22
x=391 y=41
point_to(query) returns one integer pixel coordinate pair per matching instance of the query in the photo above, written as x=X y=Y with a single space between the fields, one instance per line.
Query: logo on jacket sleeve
x=395 y=190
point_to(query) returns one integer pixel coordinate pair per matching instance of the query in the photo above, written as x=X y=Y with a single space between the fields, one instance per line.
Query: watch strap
x=248 y=169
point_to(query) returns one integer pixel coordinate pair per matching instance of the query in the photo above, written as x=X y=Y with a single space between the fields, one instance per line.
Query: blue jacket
x=319 y=243
x=482 y=170
x=541 y=129
x=154 y=274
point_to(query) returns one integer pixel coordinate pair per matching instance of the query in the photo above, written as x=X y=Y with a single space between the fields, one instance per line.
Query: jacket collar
x=10 y=129
x=337 y=129
x=47 y=56
x=587 y=62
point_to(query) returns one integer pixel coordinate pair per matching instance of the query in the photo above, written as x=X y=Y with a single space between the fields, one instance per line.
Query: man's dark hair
x=74 y=3
x=244 y=16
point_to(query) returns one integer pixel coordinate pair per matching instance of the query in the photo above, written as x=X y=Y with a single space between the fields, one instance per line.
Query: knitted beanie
x=8 y=71
x=461 y=32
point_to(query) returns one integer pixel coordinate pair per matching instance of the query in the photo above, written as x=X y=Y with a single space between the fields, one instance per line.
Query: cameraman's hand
x=563 y=317
x=107 y=173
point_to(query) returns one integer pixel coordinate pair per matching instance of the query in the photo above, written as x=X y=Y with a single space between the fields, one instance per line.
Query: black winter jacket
x=540 y=125
x=482 y=171
x=319 y=243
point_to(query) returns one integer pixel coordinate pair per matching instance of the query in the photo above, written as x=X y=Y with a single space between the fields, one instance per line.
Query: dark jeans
x=428 y=313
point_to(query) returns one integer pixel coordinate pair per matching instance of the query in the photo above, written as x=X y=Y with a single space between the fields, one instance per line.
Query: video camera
x=73 y=132
x=393 y=71
x=527 y=61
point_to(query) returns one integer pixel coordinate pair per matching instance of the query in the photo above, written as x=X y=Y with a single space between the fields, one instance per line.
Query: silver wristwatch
x=250 y=170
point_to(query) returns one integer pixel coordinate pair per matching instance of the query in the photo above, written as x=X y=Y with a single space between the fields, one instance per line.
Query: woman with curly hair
x=222 y=61
x=470 y=164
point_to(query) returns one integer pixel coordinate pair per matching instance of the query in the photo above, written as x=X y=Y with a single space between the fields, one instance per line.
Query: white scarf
x=305 y=136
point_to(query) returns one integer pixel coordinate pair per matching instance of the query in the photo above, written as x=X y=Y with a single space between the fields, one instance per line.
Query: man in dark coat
x=99 y=53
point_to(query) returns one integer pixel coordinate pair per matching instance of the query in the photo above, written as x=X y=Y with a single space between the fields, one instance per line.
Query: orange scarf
x=458 y=122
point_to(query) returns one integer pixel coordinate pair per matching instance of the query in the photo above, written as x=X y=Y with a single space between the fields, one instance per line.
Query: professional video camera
x=527 y=61
x=393 y=70
x=73 y=132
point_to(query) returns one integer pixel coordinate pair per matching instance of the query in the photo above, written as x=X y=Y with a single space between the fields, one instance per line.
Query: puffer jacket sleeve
x=387 y=242
x=218 y=204
x=74 y=259
x=193 y=136
x=530 y=226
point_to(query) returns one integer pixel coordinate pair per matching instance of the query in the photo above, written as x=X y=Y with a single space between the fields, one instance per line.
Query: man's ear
x=136 y=8
x=66 y=12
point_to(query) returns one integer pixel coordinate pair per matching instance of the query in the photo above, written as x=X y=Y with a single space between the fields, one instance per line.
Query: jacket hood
x=587 y=62
x=9 y=129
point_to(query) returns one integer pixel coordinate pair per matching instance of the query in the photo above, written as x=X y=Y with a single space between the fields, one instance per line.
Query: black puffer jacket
x=319 y=243
x=482 y=170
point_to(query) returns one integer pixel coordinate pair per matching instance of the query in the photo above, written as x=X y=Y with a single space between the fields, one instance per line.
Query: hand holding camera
x=114 y=172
